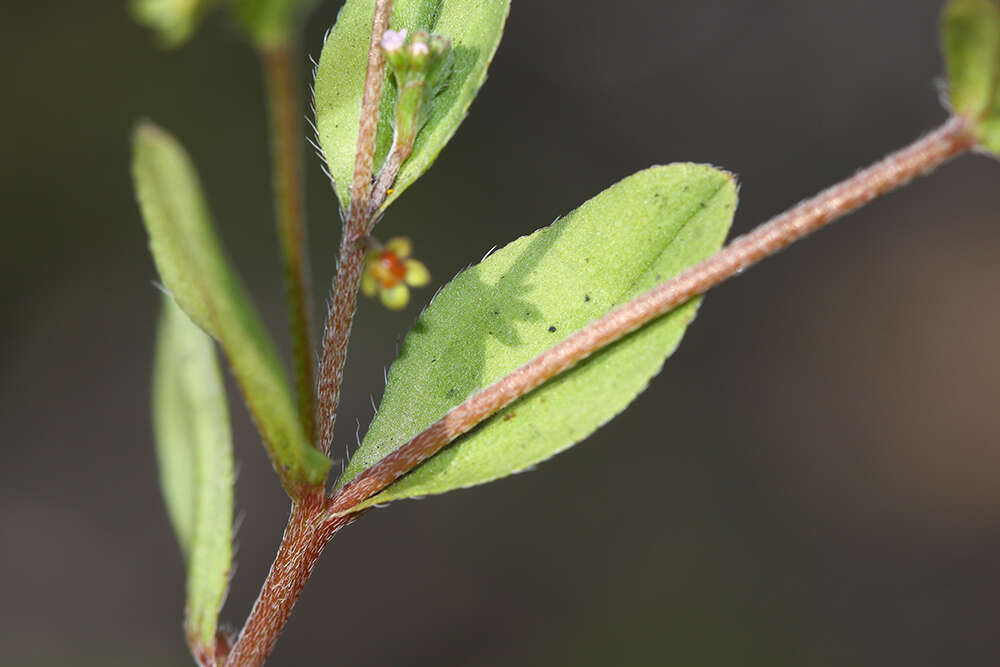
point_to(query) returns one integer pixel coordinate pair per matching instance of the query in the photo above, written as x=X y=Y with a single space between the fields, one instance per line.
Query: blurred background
x=812 y=480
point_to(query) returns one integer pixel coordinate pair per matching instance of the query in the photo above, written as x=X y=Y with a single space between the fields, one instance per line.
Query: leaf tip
x=970 y=40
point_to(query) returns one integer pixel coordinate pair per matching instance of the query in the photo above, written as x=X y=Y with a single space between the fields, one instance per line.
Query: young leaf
x=971 y=38
x=174 y=20
x=195 y=454
x=526 y=297
x=474 y=28
x=194 y=269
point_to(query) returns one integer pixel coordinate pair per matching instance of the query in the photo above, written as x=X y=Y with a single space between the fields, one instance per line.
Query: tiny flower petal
x=369 y=283
x=400 y=246
x=417 y=274
x=419 y=49
x=395 y=298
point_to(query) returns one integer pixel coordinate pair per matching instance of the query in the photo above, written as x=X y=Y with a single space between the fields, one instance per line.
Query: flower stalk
x=420 y=65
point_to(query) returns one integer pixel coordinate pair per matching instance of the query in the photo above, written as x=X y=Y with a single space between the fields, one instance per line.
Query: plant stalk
x=359 y=222
x=310 y=525
x=313 y=522
x=284 y=96
x=950 y=140
x=308 y=531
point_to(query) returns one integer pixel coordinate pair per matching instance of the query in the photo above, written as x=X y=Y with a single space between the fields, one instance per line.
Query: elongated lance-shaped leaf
x=195 y=454
x=194 y=269
x=971 y=40
x=526 y=297
x=474 y=28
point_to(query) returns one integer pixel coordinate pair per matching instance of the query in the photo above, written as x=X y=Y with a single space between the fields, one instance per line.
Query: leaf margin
x=194 y=450
x=337 y=91
x=684 y=313
x=195 y=270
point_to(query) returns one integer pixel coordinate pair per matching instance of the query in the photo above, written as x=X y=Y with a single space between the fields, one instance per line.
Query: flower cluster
x=390 y=272
x=420 y=64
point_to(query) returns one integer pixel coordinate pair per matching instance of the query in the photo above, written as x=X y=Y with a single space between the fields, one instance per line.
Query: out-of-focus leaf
x=195 y=454
x=271 y=23
x=194 y=269
x=971 y=39
x=526 y=297
x=174 y=20
x=474 y=28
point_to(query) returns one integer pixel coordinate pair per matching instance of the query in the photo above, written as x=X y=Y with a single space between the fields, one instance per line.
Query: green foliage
x=194 y=269
x=174 y=20
x=195 y=454
x=971 y=39
x=271 y=23
x=474 y=28
x=528 y=296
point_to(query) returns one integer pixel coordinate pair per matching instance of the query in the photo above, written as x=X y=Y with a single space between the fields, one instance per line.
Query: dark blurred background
x=812 y=480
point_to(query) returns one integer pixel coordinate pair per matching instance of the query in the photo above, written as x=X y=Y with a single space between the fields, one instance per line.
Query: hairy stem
x=358 y=223
x=308 y=531
x=361 y=185
x=284 y=96
x=311 y=525
x=950 y=140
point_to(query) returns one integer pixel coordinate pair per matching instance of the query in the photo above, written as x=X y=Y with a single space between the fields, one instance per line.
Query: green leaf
x=195 y=270
x=474 y=28
x=271 y=23
x=526 y=297
x=195 y=453
x=971 y=39
x=174 y=20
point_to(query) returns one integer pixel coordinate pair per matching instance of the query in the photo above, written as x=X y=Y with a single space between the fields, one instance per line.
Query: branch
x=281 y=75
x=310 y=527
x=950 y=140
x=359 y=222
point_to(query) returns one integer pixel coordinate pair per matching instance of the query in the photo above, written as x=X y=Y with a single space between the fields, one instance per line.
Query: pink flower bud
x=392 y=40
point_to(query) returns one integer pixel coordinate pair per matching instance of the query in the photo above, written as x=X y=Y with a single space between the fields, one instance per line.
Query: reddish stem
x=344 y=301
x=309 y=530
x=310 y=525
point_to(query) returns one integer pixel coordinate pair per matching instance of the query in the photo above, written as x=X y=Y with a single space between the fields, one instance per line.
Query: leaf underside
x=474 y=28
x=526 y=297
x=195 y=455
